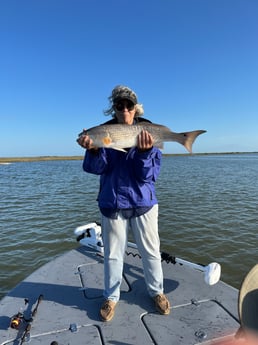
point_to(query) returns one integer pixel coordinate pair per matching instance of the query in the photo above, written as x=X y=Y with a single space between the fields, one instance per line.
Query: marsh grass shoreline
x=6 y=160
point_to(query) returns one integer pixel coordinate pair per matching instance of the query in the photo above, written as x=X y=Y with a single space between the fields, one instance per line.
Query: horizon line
x=80 y=157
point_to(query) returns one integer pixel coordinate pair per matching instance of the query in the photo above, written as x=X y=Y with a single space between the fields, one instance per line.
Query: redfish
x=120 y=136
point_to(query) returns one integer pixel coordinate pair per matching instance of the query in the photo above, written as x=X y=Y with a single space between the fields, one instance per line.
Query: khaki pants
x=115 y=234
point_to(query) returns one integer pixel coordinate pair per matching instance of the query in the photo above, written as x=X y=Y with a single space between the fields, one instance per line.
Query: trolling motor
x=211 y=271
x=90 y=235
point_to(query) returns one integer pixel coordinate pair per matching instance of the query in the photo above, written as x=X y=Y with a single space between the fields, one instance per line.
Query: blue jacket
x=126 y=178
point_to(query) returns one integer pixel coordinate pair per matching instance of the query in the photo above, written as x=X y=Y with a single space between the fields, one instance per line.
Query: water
x=208 y=212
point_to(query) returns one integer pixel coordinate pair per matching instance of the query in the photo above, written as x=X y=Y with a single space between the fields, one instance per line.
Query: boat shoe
x=162 y=304
x=107 y=310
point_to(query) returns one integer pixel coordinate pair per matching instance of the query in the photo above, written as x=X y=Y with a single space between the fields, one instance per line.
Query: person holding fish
x=127 y=199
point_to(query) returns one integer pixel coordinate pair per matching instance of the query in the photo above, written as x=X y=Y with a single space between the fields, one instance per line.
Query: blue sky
x=192 y=63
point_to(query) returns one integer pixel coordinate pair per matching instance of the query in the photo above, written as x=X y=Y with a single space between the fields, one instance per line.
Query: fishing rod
x=26 y=333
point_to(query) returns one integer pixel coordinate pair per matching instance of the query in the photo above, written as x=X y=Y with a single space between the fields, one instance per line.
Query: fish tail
x=187 y=138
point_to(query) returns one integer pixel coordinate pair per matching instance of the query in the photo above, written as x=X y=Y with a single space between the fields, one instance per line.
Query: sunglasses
x=126 y=104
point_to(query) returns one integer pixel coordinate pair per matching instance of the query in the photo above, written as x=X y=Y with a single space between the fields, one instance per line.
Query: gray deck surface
x=72 y=286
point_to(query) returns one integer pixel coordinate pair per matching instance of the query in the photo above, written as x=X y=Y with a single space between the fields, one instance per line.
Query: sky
x=192 y=63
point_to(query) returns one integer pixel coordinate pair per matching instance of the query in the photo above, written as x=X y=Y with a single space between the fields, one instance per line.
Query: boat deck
x=72 y=286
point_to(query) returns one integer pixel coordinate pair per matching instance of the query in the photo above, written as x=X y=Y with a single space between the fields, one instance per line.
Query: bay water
x=208 y=212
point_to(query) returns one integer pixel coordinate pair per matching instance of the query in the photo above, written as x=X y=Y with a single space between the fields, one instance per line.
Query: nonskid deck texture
x=72 y=286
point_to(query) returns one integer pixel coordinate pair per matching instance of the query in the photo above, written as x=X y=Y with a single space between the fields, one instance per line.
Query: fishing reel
x=16 y=320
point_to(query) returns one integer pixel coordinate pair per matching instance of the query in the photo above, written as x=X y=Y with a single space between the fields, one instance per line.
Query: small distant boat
x=59 y=303
x=5 y=163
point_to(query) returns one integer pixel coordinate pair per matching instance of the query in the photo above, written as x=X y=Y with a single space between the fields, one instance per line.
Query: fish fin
x=118 y=149
x=188 y=138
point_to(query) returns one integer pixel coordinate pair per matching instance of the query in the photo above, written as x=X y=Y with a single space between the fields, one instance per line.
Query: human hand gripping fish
x=85 y=141
x=143 y=135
